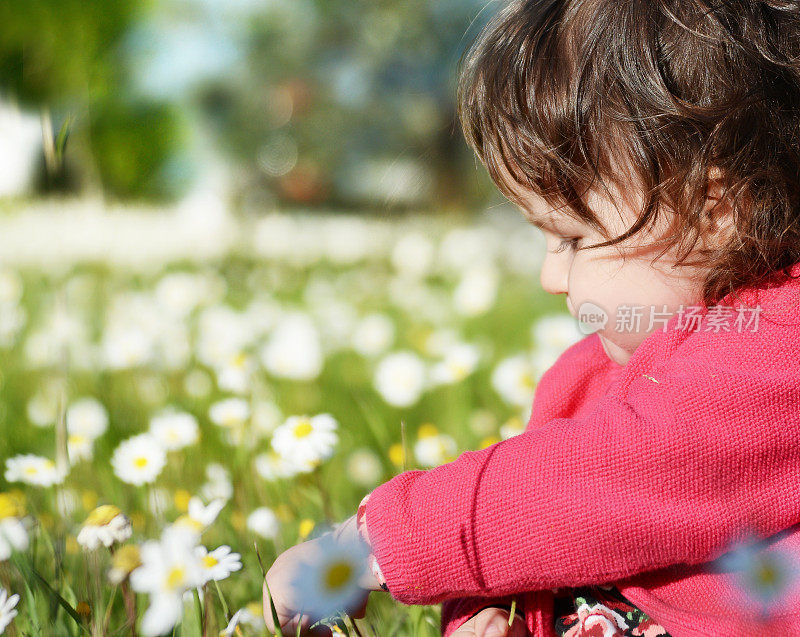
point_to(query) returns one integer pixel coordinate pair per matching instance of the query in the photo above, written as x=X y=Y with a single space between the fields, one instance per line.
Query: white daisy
x=200 y=516
x=440 y=341
x=461 y=248
x=32 y=469
x=87 y=417
x=765 y=575
x=169 y=568
x=105 y=525
x=233 y=624
x=556 y=332
x=459 y=362
x=263 y=521
x=234 y=374
x=10 y=287
x=7 y=608
x=400 y=378
x=139 y=459
x=124 y=561
x=373 y=335
x=79 y=447
x=42 y=408
x=174 y=429
x=272 y=466
x=13 y=537
x=126 y=346
x=13 y=534
x=218 y=485
x=222 y=333
x=432 y=448
x=197 y=384
x=179 y=293
x=230 y=413
x=294 y=350
x=364 y=467
x=514 y=379
x=330 y=581
x=310 y=440
x=266 y=418
x=413 y=254
x=219 y=563
x=476 y=292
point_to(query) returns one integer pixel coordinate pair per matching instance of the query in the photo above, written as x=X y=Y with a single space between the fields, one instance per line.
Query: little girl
x=656 y=144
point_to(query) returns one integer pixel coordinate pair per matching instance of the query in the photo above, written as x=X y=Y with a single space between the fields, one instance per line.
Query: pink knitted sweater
x=699 y=435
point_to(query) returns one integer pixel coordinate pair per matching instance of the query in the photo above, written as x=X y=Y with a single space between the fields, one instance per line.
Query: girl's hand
x=491 y=622
x=285 y=596
x=292 y=595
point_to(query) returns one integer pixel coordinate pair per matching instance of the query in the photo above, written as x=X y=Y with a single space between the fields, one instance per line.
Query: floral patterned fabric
x=601 y=611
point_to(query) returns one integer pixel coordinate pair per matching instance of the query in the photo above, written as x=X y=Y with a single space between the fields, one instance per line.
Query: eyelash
x=565 y=243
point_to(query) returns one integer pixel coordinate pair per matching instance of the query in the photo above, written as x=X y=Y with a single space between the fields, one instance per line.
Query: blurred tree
x=65 y=59
x=351 y=104
x=346 y=103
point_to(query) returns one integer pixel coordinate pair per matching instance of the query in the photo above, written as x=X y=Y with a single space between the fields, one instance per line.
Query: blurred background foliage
x=315 y=103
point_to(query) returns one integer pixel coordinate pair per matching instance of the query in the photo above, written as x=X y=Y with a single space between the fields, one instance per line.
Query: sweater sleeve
x=689 y=460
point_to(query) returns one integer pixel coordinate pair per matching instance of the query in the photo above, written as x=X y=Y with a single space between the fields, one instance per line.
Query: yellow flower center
x=489 y=441
x=175 y=577
x=766 y=574
x=182 y=498
x=306 y=526
x=190 y=522
x=528 y=381
x=239 y=360
x=459 y=370
x=303 y=429
x=31 y=471
x=9 y=507
x=127 y=558
x=396 y=454
x=338 y=575
x=427 y=430
x=102 y=515
x=210 y=561
x=140 y=462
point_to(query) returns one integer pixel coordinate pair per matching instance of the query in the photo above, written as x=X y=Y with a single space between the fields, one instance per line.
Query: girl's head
x=663 y=134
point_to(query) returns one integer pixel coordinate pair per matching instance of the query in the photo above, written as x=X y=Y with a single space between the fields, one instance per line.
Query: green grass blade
x=34 y=576
x=274 y=612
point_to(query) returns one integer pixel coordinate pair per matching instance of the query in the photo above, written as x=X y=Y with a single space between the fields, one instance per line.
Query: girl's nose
x=554 y=275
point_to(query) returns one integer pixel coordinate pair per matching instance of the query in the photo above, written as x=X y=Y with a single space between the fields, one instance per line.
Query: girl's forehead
x=543 y=215
x=615 y=216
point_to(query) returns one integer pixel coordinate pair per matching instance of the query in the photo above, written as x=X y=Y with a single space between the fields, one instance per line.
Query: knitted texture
x=700 y=428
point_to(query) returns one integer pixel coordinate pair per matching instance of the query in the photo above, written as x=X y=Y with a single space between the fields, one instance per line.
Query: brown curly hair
x=558 y=94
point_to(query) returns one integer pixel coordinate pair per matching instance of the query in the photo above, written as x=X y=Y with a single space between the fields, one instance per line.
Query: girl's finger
x=467 y=629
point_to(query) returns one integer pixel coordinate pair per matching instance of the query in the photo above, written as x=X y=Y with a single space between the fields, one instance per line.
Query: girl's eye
x=567 y=243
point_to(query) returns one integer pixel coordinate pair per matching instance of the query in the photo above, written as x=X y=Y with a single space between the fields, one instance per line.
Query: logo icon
x=591 y=318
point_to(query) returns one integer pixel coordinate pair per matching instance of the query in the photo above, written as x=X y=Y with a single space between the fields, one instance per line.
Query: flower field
x=170 y=425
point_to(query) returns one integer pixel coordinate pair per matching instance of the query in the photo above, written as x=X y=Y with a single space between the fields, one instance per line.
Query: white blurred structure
x=20 y=147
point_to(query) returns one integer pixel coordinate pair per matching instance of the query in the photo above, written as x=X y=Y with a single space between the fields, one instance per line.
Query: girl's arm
x=690 y=459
